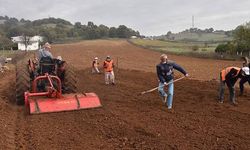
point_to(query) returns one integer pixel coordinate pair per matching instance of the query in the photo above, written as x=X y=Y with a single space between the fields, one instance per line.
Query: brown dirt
x=7 y=111
x=128 y=120
x=136 y=58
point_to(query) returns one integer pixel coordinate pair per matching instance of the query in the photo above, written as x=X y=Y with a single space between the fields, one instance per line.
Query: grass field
x=204 y=50
x=175 y=47
x=7 y=53
x=202 y=37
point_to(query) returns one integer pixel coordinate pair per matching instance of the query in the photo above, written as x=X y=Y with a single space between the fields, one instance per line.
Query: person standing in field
x=95 y=66
x=229 y=76
x=108 y=66
x=246 y=78
x=166 y=75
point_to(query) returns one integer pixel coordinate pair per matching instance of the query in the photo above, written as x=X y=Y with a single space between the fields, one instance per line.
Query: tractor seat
x=47 y=65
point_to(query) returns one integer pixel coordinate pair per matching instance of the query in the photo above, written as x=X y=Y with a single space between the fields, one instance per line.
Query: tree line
x=241 y=43
x=56 y=29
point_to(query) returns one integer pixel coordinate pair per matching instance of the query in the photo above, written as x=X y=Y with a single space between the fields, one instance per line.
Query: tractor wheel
x=70 y=81
x=22 y=82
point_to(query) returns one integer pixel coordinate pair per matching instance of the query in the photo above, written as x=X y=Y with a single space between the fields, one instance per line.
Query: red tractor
x=50 y=86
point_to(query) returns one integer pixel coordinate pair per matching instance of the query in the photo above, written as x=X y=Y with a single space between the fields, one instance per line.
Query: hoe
x=51 y=87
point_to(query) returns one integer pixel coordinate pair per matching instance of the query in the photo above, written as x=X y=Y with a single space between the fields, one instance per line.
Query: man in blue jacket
x=166 y=75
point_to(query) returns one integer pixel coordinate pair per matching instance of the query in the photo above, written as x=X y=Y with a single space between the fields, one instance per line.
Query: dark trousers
x=222 y=91
x=242 y=82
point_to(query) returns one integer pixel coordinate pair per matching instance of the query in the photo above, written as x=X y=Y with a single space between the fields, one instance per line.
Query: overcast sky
x=150 y=17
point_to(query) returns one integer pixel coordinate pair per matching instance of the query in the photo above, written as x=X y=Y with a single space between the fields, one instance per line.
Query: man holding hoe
x=166 y=75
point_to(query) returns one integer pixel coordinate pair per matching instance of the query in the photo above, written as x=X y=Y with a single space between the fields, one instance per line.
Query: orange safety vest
x=108 y=66
x=225 y=71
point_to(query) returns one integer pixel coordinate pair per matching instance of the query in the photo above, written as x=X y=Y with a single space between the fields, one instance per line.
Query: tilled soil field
x=136 y=58
x=128 y=120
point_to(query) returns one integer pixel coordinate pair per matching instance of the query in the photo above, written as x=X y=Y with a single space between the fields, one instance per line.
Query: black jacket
x=165 y=71
x=232 y=77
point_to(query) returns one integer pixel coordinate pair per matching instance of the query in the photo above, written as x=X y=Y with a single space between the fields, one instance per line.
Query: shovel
x=151 y=90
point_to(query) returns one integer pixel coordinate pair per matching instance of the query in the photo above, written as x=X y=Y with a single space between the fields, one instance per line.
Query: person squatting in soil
x=108 y=66
x=229 y=76
x=95 y=66
x=246 y=78
x=166 y=75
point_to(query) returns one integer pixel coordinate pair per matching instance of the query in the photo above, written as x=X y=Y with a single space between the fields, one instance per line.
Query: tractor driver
x=45 y=52
x=45 y=57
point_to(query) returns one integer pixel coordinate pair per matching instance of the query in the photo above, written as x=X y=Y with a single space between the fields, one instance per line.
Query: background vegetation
x=205 y=43
x=199 y=35
x=194 y=41
x=56 y=30
x=240 y=45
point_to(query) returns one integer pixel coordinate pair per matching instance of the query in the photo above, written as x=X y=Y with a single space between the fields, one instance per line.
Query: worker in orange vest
x=229 y=76
x=108 y=66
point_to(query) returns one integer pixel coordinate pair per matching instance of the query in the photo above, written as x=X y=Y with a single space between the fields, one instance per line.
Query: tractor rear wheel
x=70 y=81
x=22 y=82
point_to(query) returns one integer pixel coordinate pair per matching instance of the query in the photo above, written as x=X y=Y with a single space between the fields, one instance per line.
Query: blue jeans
x=170 y=93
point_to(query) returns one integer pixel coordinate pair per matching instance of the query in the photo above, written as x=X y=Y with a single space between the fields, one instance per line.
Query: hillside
x=199 y=35
x=57 y=29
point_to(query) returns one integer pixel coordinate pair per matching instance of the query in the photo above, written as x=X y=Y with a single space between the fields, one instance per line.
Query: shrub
x=195 y=48
x=221 y=48
x=226 y=48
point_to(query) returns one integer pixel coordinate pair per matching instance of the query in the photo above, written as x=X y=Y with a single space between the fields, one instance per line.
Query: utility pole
x=192 y=26
x=193 y=21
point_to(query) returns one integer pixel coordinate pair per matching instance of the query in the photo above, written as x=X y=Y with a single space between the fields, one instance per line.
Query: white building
x=33 y=43
x=133 y=37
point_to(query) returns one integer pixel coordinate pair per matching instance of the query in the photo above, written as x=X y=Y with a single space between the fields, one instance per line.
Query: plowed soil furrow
x=7 y=112
x=128 y=120
x=131 y=57
x=195 y=117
